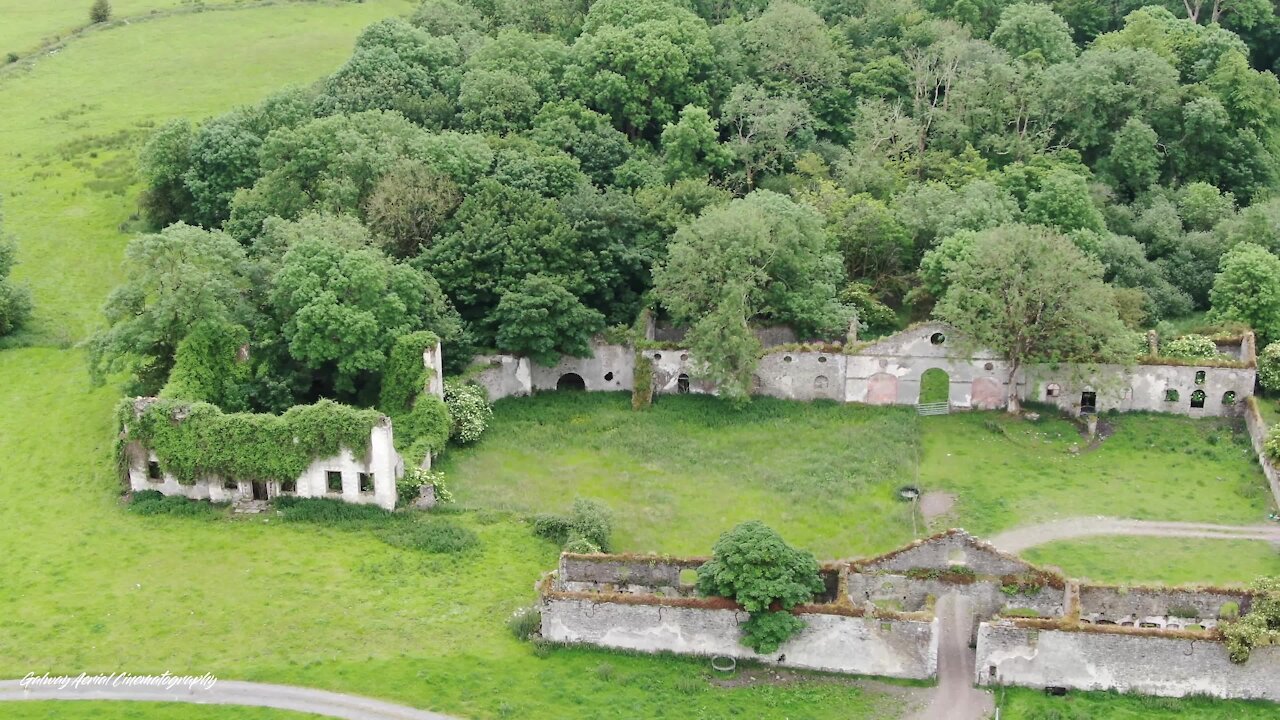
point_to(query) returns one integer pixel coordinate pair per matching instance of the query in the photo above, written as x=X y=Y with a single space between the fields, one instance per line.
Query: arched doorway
x=682 y=384
x=935 y=386
x=571 y=381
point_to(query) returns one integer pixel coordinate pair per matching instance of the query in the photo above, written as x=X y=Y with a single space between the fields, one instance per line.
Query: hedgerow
x=196 y=439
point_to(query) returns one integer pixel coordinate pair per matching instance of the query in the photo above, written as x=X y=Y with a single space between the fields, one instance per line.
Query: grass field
x=826 y=475
x=1171 y=561
x=1024 y=704
x=141 y=711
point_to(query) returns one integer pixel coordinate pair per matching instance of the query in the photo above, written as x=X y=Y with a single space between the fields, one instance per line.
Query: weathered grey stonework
x=890 y=372
x=835 y=643
x=954 y=548
x=1258 y=437
x=988 y=596
x=1158 y=607
x=594 y=572
x=1146 y=664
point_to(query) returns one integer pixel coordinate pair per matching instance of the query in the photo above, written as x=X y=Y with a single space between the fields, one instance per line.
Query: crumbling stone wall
x=901 y=592
x=1258 y=437
x=889 y=371
x=1157 y=607
x=830 y=642
x=1126 y=662
x=1144 y=387
x=954 y=548
x=627 y=574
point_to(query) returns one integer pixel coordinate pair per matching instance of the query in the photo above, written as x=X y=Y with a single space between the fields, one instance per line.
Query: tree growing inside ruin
x=754 y=566
x=1260 y=626
x=1031 y=295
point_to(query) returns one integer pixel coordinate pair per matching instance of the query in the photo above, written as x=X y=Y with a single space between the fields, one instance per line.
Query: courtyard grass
x=1028 y=704
x=1160 y=560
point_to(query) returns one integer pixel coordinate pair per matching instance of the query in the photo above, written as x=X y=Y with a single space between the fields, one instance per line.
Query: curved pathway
x=1019 y=539
x=227 y=692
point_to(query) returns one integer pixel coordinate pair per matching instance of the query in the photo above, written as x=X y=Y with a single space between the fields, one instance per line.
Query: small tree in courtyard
x=1031 y=295
x=1261 y=626
x=100 y=12
x=753 y=565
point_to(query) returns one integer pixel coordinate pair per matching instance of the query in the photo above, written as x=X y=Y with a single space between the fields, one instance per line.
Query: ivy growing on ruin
x=1261 y=626
x=195 y=439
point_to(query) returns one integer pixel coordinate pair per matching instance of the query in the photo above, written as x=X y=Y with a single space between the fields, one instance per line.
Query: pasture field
x=1159 y=560
x=142 y=711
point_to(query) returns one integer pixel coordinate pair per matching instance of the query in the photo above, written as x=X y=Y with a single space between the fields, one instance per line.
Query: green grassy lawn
x=71 y=129
x=1170 y=561
x=678 y=475
x=1026 y=704
x=1269 y=404
x=1007 y=471
x=826 y=475
x=140 y=711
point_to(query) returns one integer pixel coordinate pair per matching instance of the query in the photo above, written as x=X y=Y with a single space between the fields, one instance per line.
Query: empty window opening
x=289 y=486
x=1052 y=390
x=1197 y=399
x=989 y=366
x=1088 y=402
x=682 y=384
x=366 y=482
x=957 y=556
x=820 y=382
x=684 y=356
x=1171 y=395
x=333 y=481
x=153 y=472
x=1229 y=397
x=608 y=377
x=786 y=358
x=822 y=358
x=657 y=356
x=937 y=338
x=1199 y=377
x=571 y=381
x=230 y=485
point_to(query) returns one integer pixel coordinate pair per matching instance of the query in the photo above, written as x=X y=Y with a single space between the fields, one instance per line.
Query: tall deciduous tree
x=763 y=257
x=542 y=320
x=1247 y=290
x=1030 y=295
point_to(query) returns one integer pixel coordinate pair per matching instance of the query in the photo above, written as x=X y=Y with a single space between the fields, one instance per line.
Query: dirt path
x=955 y=697
x=1022 y=538
x=282 y=697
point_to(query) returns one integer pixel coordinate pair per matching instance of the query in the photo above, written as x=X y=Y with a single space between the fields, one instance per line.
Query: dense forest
x=519 y=175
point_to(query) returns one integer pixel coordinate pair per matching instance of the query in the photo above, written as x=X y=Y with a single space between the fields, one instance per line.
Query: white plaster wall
x=834 y=643
x=383 y=463
x=1143 y=388
x=609 y=368
x=1128 y=663
x=504 y=376
x=433 y=360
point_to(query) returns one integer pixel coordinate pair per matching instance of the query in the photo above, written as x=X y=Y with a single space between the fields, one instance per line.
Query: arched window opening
x=1197 y=399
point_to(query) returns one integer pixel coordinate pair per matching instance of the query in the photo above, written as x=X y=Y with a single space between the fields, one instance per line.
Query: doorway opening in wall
x=935 y=387
x=571 y=381
x=1197 y=399
x=682 y=384
x=1088 y=403
x=259 y=491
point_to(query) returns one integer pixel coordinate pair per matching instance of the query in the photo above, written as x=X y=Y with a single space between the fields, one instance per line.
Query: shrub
x=1261 y=626
x=765 y=632
x=525 y=622
x=15 y=306
x=469 y=408
x=1269 y=367
x=586 y=529
x=754 y=566
x=153 y=502
x=435 y=536
x=424 y=429
x=1272 y=444
x=11 y=58
x=409 y=487
x=100 y=11
x=1190 y=346
x=326 y=511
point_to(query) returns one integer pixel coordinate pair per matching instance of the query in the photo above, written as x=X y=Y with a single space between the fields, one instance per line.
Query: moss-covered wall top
x=195 y=439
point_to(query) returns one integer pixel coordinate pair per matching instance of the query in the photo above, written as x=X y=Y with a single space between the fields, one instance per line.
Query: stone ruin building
x=1028 y=626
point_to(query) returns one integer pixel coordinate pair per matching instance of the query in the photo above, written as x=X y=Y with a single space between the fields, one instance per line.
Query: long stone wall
x=1126 y=662
x=1258 y=436
x=890 y=371
x=829 y=642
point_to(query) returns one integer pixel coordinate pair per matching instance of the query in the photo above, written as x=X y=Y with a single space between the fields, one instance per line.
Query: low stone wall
x=829 y=642
x=1157 y=607
x=1258 y=436
x=988 y=597
x=616 y=573
x=954 y=548
x=1126 y=662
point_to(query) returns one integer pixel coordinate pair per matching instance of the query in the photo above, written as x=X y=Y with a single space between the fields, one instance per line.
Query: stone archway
x=882 y=389
x=935 y=386
x=571 y=381
x=987 y=394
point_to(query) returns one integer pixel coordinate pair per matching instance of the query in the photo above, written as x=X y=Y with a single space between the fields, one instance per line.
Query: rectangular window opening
x=333 y=481
x=366 y=482
x=289 y=486
x=153 y=472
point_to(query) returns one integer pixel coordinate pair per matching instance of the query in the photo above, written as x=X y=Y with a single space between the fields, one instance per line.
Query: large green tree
x=1247 y=290
x=761 y=258
x=1030 y=295
x=540 y=319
